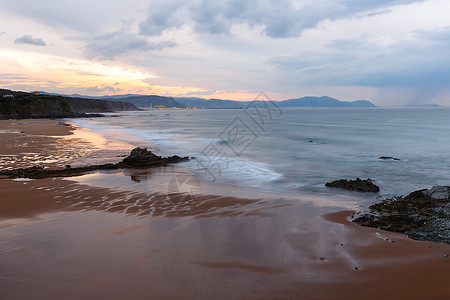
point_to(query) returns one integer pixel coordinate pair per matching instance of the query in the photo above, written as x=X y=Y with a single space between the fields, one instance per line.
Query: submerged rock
x=388 y=158
x=359 y=185
x=139 y=157
x=422 y=215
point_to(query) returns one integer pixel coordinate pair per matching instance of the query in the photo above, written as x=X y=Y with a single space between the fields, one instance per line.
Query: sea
x=295 y=150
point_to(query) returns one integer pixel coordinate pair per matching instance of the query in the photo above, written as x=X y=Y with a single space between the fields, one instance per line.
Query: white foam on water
x=232 y=170
x=303 y=149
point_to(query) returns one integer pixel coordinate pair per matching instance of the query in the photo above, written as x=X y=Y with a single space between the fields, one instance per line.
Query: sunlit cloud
x=44 y=70
x=66 y=75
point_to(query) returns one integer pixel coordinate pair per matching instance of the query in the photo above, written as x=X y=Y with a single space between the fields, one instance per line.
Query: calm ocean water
x=296 y=150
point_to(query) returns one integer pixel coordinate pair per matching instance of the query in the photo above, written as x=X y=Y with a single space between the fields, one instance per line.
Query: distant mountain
x=431 y=105
x=211 y=103
x=193 y=102
x=20 y=105
x=150 y=101
x=323 y=101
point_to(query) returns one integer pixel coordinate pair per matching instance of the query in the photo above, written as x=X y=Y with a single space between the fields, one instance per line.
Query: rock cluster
x=139 y=157
x=359 y=185
x=422 y=215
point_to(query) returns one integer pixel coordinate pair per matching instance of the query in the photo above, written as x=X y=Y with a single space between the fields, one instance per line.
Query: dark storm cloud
x=111 y=45
x=162 y=15
x=423 y=61
x=279 y=19
x=76 y=15
x=28 y=39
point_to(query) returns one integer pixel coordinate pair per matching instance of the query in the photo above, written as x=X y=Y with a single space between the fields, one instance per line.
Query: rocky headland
x=22 y=105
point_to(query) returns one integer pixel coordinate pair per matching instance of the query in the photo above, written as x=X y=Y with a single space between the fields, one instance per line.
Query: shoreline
x=219 y=246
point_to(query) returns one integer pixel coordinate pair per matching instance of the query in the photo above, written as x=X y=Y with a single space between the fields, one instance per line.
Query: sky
x=391 y=52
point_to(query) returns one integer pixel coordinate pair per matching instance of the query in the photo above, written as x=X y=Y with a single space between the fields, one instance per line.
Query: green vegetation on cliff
x=19 y=105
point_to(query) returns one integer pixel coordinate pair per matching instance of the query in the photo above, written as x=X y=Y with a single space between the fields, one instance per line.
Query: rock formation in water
x=139 y=157
x=359 y=185
x=388 y=158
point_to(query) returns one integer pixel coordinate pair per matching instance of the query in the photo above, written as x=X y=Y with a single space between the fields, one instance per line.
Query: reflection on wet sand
x=23 y=140
x=79 y=241
x=47 y=195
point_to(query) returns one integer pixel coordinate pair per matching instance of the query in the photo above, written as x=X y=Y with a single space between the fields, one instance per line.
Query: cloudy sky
x=392 y=52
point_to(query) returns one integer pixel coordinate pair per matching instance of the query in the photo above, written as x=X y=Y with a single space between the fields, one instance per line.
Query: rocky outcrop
x=359 y=185
x=142 y=157
x=23 y=105
x=139 y=157
x=423 y=215
x=82 y=105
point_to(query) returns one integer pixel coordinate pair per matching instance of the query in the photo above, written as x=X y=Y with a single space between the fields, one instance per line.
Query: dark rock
x=143 y=157
x=388 y=158
x=138 y=158
x=23 y=173
x=423 y=214
x=359 y=185
x=438 y=192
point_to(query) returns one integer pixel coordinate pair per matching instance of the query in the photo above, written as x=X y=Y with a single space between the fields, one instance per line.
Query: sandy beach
x=125 y=234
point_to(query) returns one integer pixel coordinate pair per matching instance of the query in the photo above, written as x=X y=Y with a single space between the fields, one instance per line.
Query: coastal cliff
x=21 y=105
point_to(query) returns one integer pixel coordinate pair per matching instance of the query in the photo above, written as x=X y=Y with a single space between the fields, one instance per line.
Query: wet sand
x=54 y=143
x=129 y=234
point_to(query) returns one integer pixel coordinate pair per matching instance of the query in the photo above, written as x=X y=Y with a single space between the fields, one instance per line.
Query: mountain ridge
x=324 y=101
x=309 y=101
x=142 y=101
x=195 y=102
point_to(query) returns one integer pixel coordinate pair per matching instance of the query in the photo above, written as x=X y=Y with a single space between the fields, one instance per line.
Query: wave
x=235 y=170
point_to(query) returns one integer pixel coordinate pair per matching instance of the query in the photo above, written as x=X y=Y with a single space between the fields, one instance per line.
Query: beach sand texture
x=74 y=238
